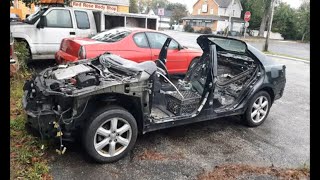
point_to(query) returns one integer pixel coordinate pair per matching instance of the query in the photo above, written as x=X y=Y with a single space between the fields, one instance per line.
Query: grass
x=27 y=159
x=234 y=171
x=286 y=55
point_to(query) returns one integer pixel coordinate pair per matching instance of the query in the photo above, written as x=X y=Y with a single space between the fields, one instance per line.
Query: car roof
x=137 y=29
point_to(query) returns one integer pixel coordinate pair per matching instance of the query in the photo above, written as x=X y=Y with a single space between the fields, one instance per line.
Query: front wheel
x=258 y=109
x=110 y=134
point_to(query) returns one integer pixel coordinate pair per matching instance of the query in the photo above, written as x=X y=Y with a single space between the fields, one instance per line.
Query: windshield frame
x=33 y=18
x=225 y=44
x=204 y=42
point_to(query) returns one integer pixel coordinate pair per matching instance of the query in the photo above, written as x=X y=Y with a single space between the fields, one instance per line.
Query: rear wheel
x=111 y=133
x=258 y=109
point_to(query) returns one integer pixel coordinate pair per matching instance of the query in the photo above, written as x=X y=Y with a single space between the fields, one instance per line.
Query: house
x=21 y=9
x=164 y=21
x=215 y=15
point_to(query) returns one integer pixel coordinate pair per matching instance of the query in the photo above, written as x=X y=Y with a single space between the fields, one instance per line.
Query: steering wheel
x=163 y=67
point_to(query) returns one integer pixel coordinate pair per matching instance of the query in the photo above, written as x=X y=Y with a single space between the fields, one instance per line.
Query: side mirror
x=27 y=16
x=180 y=47
x=41 y=22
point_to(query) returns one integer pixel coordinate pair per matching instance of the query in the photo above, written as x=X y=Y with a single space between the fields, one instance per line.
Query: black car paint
x=273 y=83
x=271 y=79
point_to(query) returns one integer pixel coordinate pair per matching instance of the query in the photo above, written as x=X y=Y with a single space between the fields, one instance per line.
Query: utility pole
x=229 y=25
x=265 y=47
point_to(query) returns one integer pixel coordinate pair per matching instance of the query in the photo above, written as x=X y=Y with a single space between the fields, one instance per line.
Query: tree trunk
x=264 y=20
x=265 y=48
x=303 y=36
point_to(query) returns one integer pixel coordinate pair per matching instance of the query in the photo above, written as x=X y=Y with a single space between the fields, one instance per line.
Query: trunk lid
x=72 y=46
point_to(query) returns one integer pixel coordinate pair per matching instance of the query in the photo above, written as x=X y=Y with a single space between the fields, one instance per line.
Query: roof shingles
x=223 y=3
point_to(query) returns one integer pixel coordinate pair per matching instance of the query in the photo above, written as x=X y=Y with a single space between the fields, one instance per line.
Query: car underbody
x=65 y=94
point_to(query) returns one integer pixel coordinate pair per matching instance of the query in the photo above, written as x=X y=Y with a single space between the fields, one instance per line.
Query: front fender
x=20 y=35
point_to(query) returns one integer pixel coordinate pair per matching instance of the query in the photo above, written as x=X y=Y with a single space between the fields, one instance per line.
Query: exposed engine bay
x=62 y=94
x=235 y=72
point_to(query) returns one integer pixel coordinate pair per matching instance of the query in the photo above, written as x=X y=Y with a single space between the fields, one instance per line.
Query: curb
x=290 y=58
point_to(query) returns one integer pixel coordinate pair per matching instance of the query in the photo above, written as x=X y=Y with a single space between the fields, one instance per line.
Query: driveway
x=289 y=48
x=185 y=152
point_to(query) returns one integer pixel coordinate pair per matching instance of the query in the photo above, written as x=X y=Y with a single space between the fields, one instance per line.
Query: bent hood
x=16 y=26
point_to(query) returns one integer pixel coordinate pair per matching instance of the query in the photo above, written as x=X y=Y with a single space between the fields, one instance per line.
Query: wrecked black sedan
x=108 y=100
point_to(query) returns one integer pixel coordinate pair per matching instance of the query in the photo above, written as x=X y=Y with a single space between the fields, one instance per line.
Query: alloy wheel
x=112 y=137
x=259 y=109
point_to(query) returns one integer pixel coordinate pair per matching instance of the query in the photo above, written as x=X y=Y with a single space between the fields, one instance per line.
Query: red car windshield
x=112 y=35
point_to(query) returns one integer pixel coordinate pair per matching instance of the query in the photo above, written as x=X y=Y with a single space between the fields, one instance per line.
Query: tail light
x=82 y=53
x=61 y=44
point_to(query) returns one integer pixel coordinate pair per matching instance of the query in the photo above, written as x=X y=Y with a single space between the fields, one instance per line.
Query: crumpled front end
x=42 y=110
x=60 y=98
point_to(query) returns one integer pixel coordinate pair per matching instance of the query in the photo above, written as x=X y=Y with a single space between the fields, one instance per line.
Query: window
x=112 y=35
x=211 y=11
x=157 y=40
x=32 y=18
x=82 y=19
x=199 y=10
x=204 y=8
x=229 y=44
x=141 y=40
x=59 y=18
x=233 y=12
x=200 y=23
x=208 y=24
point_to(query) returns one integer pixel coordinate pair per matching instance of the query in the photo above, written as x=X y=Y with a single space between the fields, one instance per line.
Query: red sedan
x=135 y=44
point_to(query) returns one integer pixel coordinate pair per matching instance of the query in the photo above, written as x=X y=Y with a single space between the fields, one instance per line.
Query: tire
x=104 y=120
x=193 y=62
x=257 y=112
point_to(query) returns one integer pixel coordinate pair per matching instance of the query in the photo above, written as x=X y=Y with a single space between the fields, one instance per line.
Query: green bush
x=188 y=28
x=205 y=30
x=22 y=52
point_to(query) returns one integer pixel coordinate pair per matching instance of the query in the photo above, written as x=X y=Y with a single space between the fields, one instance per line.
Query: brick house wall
x=212 y=7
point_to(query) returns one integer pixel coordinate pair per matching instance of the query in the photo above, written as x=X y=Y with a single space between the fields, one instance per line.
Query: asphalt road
x=185 y=152
x=290 y=48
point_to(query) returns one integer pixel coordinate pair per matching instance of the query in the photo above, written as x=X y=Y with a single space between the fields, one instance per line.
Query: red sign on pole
x=161 y=11
x=247 y=16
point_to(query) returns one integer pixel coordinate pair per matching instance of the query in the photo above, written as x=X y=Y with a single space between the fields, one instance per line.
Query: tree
x=285 y=21
x=265 y=17
x=270 y=19
x=29 y=2
x=67 y=2
x=304 y=20
x=256 y=7
x=133 y=8
x=178 y=11
x=145 y=5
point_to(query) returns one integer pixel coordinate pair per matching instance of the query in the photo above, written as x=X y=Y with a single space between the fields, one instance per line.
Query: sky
x=189 y=3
